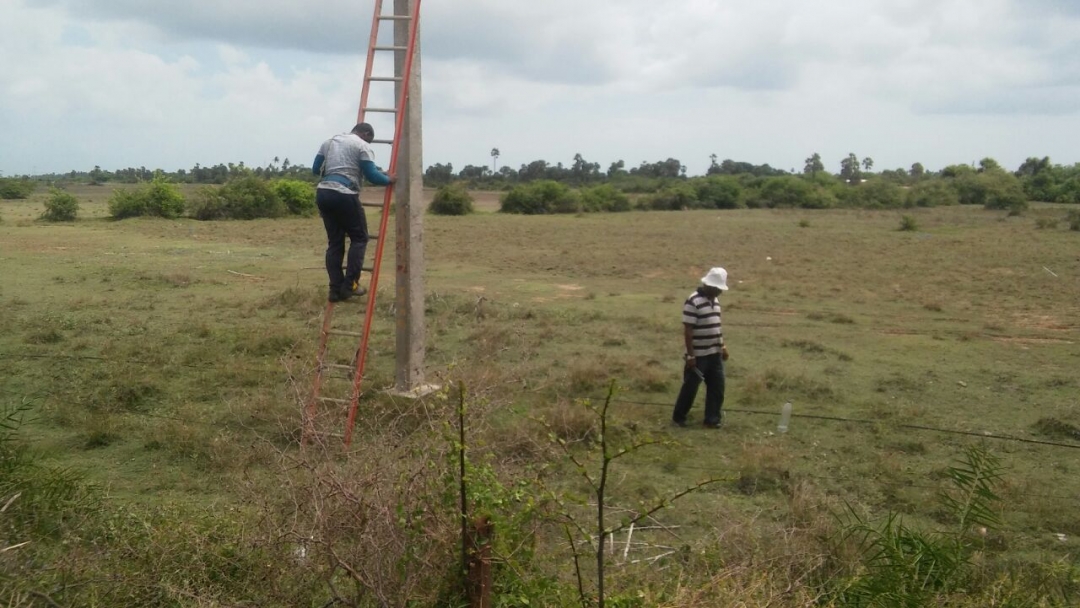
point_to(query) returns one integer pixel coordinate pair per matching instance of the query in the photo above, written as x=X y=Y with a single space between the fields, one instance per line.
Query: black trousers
x=342 y=215
x=712 y=368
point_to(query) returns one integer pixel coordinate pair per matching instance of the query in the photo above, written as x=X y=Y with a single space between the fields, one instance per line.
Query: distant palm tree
x=494 y=160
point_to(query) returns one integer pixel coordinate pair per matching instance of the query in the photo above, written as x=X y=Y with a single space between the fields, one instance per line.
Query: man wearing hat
x=705 y=351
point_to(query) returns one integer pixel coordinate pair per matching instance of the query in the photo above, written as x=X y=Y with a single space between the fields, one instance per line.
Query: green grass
x=167 y=360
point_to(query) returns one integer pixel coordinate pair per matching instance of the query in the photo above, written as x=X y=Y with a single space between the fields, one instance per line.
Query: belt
x=341 y=179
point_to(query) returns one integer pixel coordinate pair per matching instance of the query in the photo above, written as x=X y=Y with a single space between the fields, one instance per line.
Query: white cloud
x=150 y=82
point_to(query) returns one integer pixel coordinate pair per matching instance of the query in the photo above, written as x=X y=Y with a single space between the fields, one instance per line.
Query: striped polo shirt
x=704 y=315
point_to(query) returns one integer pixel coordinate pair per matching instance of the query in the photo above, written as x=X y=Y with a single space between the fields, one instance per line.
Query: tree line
x=1035 y=179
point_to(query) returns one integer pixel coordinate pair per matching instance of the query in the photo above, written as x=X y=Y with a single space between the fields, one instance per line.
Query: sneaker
x=711 y=425
x=334 y=295
x=679 y=423
x=350 y=291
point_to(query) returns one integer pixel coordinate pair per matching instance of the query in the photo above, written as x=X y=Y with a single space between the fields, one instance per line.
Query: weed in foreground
x=908 y=224
x=897 y=565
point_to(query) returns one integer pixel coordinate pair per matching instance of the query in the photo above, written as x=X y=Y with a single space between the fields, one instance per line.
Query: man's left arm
x=723 y=345
x=372 y=174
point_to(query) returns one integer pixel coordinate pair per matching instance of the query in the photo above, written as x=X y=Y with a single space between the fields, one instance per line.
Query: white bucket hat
x=717 y=277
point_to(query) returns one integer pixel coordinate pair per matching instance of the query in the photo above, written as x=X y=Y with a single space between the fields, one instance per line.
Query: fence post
x=479 y=580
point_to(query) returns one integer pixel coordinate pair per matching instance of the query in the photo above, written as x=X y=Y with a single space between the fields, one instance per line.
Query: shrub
x=1044 y=223
x=932 y=193
x=542 y=196
x=722 y=192
x=452 y=199
x=12 y=188
x=1074 y=219
x=242 y=198
x=992 y=190
x=790 y=191
x=674 y=197
x=61 y=207
x=298 y=196
x=908 y=224
x=877 y=194
x=1069 y=191
x=604 y=198
x=1003 y=191
x=158 y=198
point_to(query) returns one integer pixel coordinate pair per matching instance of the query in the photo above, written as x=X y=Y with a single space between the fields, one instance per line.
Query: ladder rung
x=338 y=332
x=394 y=17
x=385 y=79
x=332 y=400
x=337 y=366
x=384 y=110
x=373 y=205
x=391 y=48
x=383 y=141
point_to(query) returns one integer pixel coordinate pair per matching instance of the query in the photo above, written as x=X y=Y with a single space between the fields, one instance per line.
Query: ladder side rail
x=365 y=89
x=320 y=361
x=361 y=358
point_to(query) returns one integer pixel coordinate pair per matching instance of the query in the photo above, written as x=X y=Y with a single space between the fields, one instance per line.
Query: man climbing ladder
x=343 y=162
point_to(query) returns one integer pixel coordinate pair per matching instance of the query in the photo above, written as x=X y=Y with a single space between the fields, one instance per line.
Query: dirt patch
x=1042 y=322
x=1021 y=340
x=902 y=332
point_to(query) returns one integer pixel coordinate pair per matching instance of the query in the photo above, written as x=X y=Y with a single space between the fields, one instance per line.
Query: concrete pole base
x=415 y=393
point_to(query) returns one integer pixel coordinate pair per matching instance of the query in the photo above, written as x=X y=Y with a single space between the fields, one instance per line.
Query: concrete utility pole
x=409 y=219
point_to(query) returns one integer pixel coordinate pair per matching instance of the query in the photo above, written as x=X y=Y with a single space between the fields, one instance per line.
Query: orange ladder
x=356 y=368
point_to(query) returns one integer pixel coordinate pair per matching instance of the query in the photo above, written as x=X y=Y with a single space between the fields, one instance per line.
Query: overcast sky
x=168 y=84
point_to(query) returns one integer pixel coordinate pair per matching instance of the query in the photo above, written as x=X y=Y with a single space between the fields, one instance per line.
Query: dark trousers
x=712 y=368
x=342 y=215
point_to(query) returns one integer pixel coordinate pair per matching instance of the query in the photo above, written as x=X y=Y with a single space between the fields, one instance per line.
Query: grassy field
x=166 y=362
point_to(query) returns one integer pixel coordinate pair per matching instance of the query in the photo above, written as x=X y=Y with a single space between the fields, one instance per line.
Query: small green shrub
x=541 y=196
x=804 y=223
x=61 y=207
x=243 y=198
x=452 y=199
x=604 y=198
x=1045 y=223
x=159 y=198
x=908 y=224
x=298 y=196
x=16 y=188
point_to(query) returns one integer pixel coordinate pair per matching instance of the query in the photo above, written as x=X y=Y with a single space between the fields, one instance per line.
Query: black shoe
x=679 y=423
x=334 y=295
x=711 y=425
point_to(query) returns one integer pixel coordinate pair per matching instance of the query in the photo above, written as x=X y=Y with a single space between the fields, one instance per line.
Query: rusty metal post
x=479 y=579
